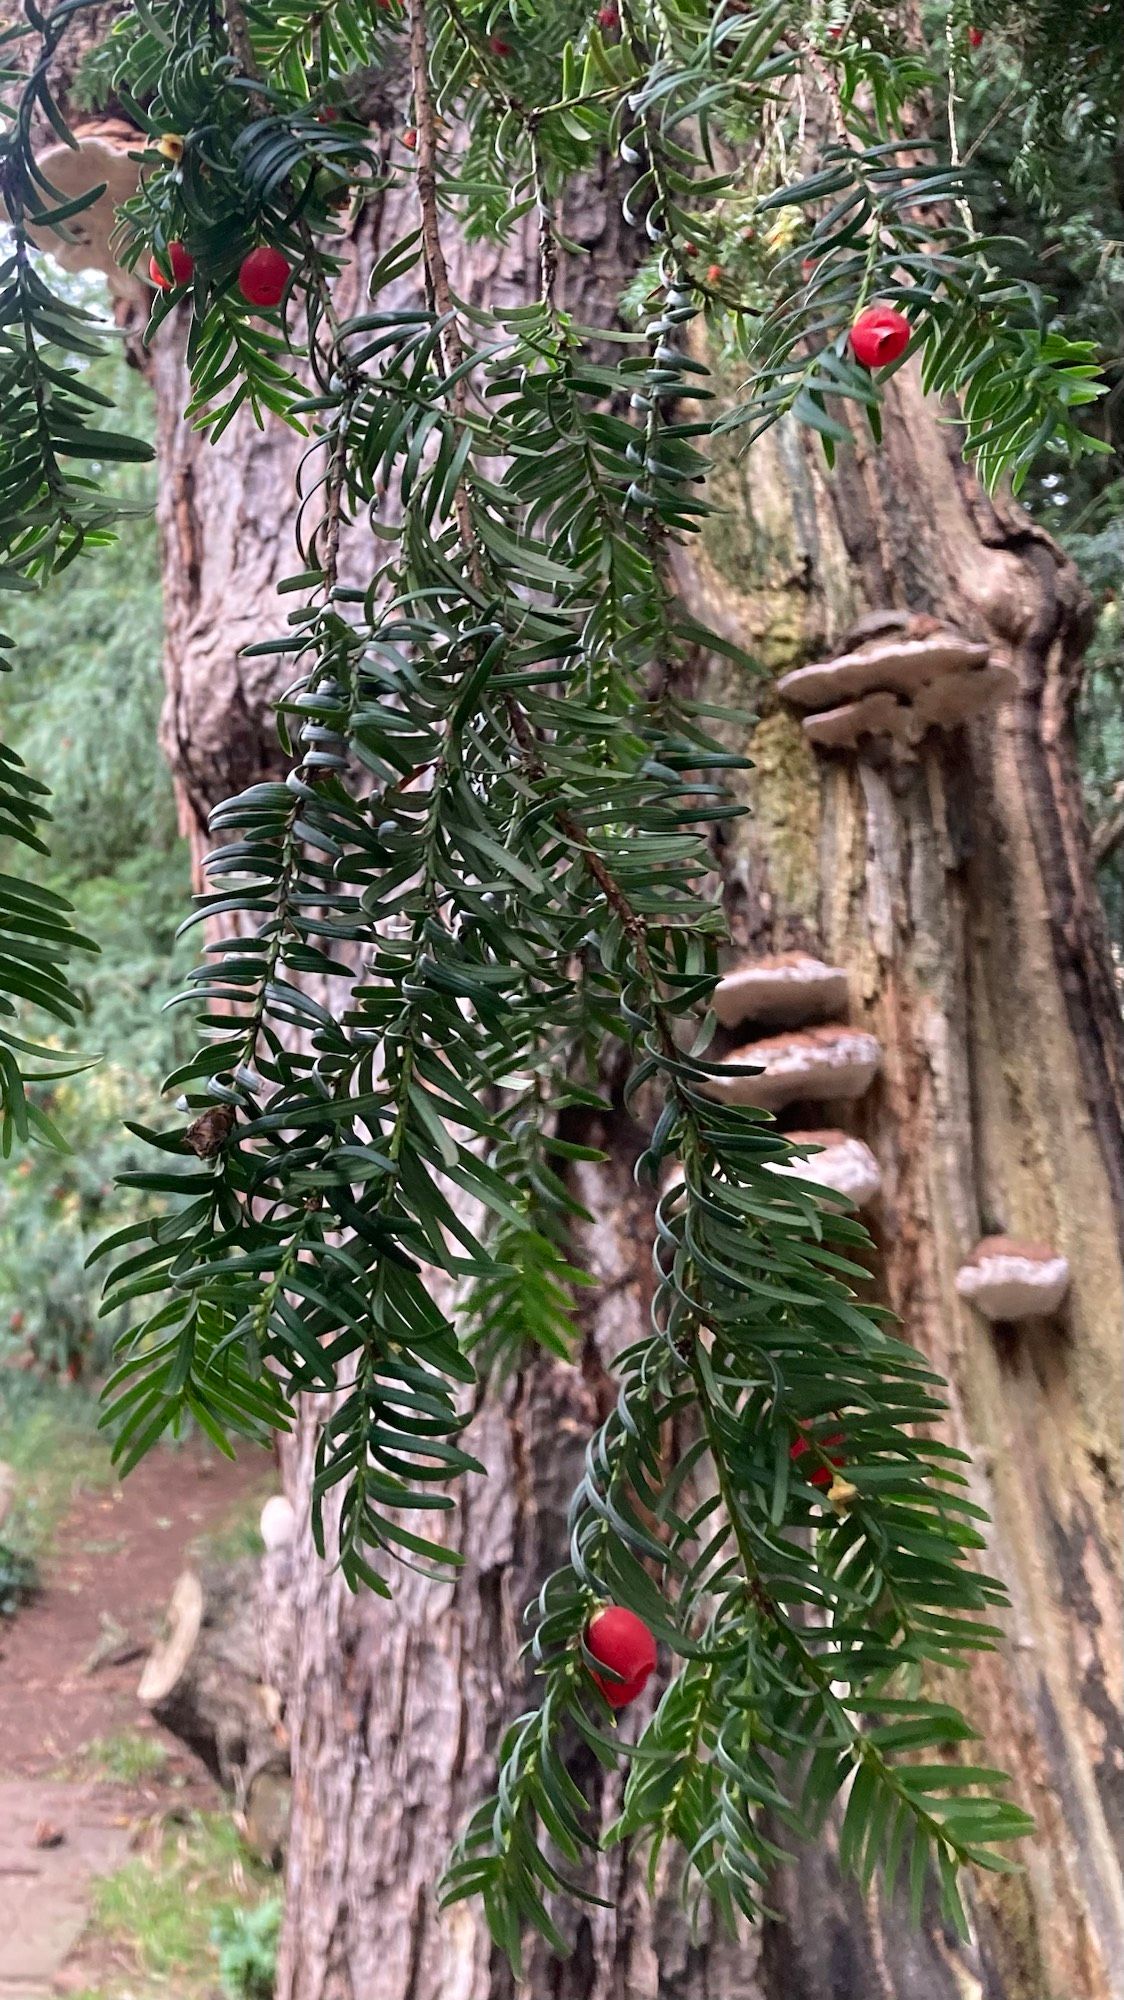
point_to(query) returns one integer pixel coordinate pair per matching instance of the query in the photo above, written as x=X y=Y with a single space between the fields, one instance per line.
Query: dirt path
x=69 y=1662
x=72 y=1784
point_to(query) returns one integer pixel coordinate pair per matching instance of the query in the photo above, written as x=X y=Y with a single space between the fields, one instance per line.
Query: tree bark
x=957 y=889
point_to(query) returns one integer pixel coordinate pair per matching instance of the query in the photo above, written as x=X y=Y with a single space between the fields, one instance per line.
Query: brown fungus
x=785 y=991
x=826 y=1064
x=1006 y=1279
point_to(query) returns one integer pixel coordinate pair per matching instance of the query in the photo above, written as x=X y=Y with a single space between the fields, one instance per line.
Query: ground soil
x=69 y=1665
x=70 y=1661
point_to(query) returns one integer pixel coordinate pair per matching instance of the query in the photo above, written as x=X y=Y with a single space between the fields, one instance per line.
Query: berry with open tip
x=182 y=265
x=879 y=336
x=622 y=1642
x=263 y=276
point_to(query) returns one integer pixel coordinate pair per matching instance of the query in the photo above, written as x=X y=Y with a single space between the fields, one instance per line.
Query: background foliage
x=83 y=711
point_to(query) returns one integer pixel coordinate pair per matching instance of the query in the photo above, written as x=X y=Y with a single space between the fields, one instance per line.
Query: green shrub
x=19 y=1579
x=247 y=1942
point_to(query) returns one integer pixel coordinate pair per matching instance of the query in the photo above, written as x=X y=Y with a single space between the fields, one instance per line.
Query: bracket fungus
x=785 y=991
x=1006 y=1279
x=844 y=1164
x=824 y=1063
x=903 y=675
x=278 y=1522
x=99 y=156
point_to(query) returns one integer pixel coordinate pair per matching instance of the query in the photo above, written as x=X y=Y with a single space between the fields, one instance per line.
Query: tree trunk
x=956 y=889
x=215 y=1678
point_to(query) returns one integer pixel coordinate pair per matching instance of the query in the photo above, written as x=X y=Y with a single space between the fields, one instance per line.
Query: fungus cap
x=899 y=662
x=844 y=1164
x=955 y=699
x=786 y=990
x=843 y=728
x=277 y=1522
x=1007 y=1279
x=825 y=1063
x=101 y=154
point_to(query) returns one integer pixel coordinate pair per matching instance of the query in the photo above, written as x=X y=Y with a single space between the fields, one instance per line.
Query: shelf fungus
x=783 y=992
x=823 y=1064
x=99 y=158
x=1006 y=1279
x=902 y=677
x=844 y=1164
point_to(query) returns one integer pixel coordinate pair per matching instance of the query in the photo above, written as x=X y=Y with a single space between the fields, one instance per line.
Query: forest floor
x=116 y=1856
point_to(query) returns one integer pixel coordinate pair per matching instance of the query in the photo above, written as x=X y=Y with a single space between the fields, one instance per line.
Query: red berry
x=182 y=263
x=690 y=249
x=608 y=18
x=821 y=1476
x=835 y=33
x=975 y=37
x=879 y=336
x=263 y=276
x=623 y=1643
x=409 y=139
x=714 y=274
x=499 y=47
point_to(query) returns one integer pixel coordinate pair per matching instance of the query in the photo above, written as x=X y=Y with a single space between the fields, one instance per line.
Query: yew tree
x=540 y=387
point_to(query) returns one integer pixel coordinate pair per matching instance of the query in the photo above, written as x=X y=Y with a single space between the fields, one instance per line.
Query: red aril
x=879 y=336
x=182 y=265
x=621 y=1641
x=263 y=276
x=820 y=1475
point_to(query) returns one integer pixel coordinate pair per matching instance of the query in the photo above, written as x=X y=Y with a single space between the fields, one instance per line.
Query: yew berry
x=608 y=18
x=182 y=265
x=714 y=274
x=409 y=139
x=975 y=37
x=879 y=336
x=690 y=249
x=622 y=1642
x=821 y=1475
x=499 y=47
x=263 y=276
